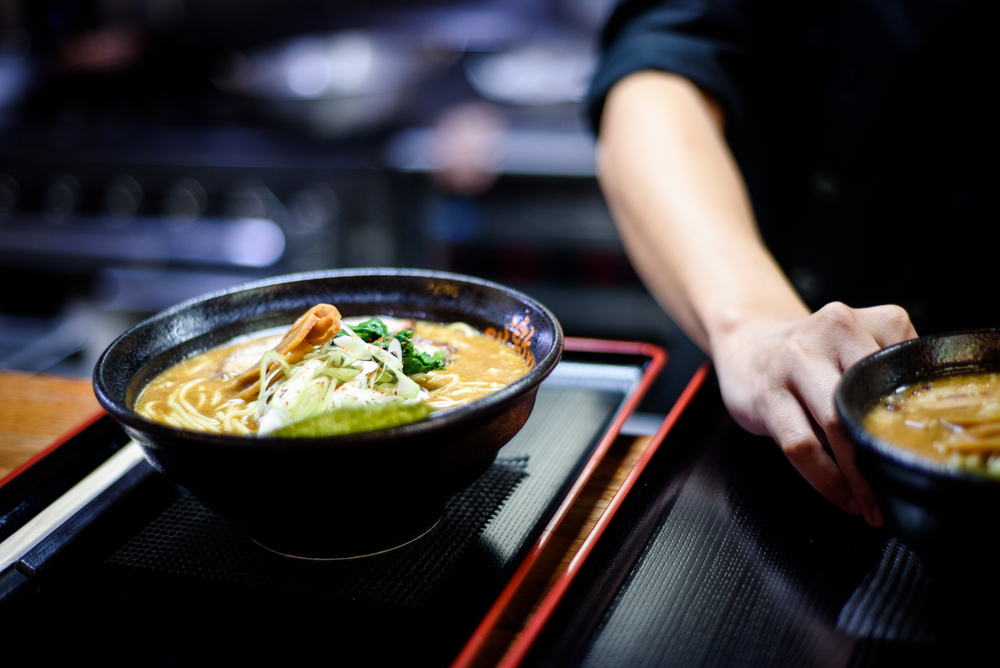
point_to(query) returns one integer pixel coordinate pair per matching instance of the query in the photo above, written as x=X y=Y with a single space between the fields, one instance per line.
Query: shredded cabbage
x=342 y=372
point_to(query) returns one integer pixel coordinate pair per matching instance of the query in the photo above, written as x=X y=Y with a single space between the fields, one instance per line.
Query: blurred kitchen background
x=155 y=150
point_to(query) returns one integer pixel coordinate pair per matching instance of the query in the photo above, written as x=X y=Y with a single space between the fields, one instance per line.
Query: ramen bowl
x=334 y=496
x=945 y=514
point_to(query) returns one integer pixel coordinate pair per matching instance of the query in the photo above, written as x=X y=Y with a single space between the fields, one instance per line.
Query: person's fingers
x=886 y=324
x=790 y=427
x=849 y=336
x=858 y=333
x=845 y=335
x=816 y=394
x=843 y=450
x=787 y=390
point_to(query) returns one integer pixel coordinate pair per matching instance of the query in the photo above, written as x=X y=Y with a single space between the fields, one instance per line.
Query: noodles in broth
x=264 y=382
x=954 y=419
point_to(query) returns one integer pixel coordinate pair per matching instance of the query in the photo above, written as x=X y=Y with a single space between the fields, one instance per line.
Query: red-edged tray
x=658 y=357
x=55 y=445
x=647 y=362
x=533 y=627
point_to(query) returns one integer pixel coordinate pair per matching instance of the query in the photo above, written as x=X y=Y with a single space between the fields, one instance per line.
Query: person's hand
x=686 y=220
x=778 y=378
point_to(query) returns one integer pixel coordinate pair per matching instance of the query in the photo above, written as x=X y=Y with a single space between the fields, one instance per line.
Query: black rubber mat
x=895 y=602
x=189 y=540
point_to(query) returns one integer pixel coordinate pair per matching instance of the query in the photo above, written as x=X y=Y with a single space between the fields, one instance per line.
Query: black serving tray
x=720 y=554
x=145 y=573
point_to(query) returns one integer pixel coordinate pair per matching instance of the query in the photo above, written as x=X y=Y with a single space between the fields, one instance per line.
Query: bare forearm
x=684 y=215
x=682 y=209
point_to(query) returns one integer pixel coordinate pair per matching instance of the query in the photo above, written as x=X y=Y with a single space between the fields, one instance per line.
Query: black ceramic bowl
x=948 y=516
x=345 y=495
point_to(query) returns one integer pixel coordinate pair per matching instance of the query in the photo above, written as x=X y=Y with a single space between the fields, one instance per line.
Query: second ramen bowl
x=338 y=496
x=946 y=515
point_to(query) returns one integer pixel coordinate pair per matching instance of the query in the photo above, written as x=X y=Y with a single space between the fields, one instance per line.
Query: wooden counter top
x=35 y=410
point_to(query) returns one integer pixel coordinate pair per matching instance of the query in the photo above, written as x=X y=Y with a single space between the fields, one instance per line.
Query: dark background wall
x=153 y=150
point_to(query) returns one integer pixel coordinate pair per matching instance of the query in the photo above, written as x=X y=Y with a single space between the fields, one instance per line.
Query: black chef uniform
x=864 y=131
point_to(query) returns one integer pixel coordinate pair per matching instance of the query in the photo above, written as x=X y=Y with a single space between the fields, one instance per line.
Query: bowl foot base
x=338 y=543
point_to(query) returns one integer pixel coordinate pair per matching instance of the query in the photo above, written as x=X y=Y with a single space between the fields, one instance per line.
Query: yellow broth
x=944 y=418
x=195 y=393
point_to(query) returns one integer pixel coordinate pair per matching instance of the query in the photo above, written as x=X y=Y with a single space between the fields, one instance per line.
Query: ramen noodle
x=953 y=419
x=265 y=382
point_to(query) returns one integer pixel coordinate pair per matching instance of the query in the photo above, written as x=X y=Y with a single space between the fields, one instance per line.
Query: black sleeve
x=702 y=40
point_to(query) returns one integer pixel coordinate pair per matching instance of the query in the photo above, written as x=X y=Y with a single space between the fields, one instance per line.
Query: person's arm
x=685 y=218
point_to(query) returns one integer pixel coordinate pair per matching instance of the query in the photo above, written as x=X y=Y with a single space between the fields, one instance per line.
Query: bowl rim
x=458 y=415
x=896 y=454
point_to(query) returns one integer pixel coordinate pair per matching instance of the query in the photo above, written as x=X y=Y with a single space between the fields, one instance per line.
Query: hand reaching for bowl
x=685 y=218
x=778 y=378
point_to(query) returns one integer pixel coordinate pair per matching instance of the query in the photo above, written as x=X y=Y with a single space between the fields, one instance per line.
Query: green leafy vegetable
x=371 y=331
x=415 y=361
x=354 y=419
x=375 y=332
